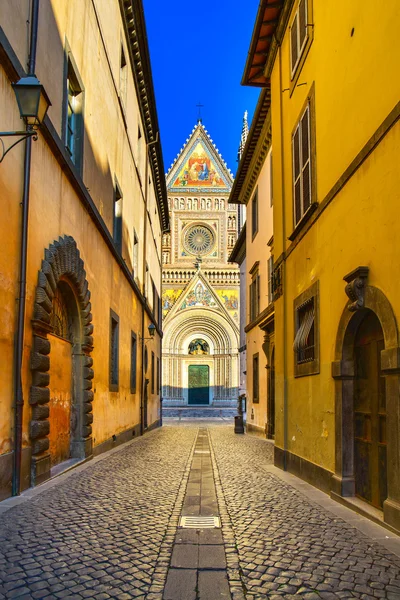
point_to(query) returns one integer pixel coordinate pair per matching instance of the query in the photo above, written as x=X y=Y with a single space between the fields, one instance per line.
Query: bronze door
x=199 y=384
x=370 y=414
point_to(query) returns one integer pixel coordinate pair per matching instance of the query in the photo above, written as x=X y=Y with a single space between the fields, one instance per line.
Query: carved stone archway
x=365 y=298
x=61 y=265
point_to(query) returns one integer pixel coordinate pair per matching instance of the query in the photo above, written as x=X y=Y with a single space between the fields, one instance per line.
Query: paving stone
x=100 y=523
x=180 y=585
x=185 y=556
x=301 y=545
x=212 y=557
x=213 y=585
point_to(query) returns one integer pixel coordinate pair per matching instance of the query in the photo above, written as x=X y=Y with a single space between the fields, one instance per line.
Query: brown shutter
x=296 y=175
x=305 y=159
x=302 y=22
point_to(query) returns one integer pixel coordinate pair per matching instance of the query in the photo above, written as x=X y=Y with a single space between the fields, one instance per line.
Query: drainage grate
x=199 y=522
x=202 y=452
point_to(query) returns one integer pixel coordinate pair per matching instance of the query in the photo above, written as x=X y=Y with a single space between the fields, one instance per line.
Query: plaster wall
x=360 y=225
x=257 y=250
x=56 y=209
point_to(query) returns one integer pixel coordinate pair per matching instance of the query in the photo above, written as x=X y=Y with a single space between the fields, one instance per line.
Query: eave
x=268 y=15
x=238 y=253
x=136 y=35
x=260 y=115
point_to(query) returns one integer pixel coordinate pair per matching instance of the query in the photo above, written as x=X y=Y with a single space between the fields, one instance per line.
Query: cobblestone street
x=107 y=529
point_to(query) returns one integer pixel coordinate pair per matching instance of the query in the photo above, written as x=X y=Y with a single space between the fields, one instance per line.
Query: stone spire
x=243 y=137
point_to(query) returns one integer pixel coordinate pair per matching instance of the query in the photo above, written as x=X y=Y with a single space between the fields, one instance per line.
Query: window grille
x=304 y=343
x=59 y=316
x=270 y=275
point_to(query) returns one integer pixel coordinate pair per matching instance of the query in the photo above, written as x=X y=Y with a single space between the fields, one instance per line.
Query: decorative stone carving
x=355 y=288
x=62 y=261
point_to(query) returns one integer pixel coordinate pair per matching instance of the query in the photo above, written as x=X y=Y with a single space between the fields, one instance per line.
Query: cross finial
x=199 y=106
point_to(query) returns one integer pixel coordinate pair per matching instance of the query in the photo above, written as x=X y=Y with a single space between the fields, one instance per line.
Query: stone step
x=208 y=412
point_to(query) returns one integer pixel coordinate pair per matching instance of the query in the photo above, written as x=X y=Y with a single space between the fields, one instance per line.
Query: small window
x=301 y=154
x=254 y=296
x=254 y=214
x=114 y=351
x=256 y=386
x=306 y=341
x=73 y=123
x=123 y=76
x=133 y=362
x=298 y=35
x=117 y=223
x=158 y=376
x=270 y=272
x=152 y=373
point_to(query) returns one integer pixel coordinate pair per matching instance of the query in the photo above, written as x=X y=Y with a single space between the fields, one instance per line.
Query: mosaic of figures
x=199 y=170
x=200 y=204
x=199 y=296
x=230 y=300
x=199 y=347
x=169 y=297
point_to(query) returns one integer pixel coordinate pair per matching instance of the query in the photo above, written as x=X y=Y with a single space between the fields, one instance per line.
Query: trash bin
x=239 y=427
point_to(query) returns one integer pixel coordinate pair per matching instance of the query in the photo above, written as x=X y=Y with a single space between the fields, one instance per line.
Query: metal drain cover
x=200 y=522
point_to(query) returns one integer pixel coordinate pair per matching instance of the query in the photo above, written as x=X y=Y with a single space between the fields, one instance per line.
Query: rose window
x=199 y=239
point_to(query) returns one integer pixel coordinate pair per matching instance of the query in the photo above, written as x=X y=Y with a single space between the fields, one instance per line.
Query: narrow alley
x=112 y=527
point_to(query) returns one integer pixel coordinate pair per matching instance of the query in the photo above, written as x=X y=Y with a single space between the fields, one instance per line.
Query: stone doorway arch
x=63 y=268
x=366 y=299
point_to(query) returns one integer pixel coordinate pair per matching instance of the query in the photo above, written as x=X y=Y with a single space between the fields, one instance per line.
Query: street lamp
x=33 y=103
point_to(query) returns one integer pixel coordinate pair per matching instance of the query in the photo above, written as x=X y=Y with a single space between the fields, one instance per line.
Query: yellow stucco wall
x=356 y=87
x=56 y=210
x=257 y=250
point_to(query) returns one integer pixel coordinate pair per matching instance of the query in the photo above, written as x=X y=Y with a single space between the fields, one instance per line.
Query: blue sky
x=198 y=52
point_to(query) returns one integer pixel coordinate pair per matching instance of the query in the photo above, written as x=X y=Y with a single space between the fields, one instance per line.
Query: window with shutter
x=306 y=340
x=301 y=154
x=298 y=35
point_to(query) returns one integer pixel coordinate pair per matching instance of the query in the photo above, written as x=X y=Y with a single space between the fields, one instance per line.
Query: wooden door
x=370 y=414
x=199 y=384
x=60 y=400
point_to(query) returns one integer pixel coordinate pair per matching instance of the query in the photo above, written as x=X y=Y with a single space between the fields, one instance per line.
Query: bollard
x=239 y=426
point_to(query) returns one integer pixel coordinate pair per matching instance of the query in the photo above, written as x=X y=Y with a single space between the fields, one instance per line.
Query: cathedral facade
x=200 y=288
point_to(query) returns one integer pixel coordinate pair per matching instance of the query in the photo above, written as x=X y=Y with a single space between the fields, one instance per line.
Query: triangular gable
x=198 y=294
x=199 y=167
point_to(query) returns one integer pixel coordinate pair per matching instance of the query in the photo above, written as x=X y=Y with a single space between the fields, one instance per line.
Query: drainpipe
x=146 y=192
x=19 y=339
x=285 y=399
